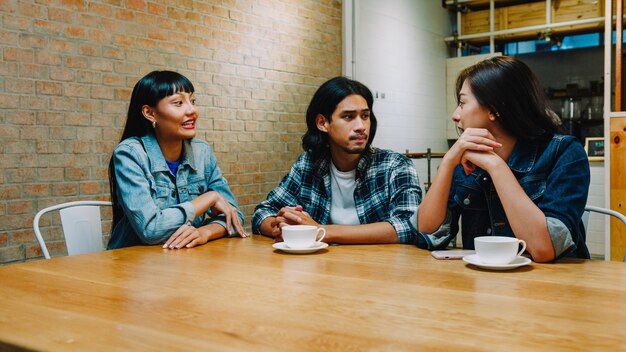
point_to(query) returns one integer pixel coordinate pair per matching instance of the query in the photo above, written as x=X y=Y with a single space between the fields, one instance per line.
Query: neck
x=344 y=161
x=171 y=149
x=508 y=143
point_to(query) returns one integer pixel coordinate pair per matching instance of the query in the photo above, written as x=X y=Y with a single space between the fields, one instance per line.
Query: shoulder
x=304 y=161
x=385 y=157
x=564 y=144
x=129 y=144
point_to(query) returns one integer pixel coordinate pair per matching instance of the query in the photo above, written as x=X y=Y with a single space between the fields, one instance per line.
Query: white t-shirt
x=342 y=208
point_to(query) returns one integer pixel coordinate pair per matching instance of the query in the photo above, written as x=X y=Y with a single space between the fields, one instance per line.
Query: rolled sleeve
x=438 y=239
x=406 y=196
x=560 y=236
x=283 y=195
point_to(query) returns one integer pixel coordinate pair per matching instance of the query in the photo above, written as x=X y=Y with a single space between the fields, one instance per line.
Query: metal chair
x=591 y=208
x=81 y=226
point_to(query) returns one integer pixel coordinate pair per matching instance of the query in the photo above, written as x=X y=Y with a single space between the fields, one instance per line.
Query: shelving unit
x=485 y=21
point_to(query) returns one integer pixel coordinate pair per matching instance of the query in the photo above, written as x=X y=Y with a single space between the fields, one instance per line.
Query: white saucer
x=316 y=247
x=519 y=261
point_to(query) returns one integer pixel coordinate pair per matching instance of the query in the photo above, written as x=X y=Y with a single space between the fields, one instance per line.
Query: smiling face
x=469 y=113
x=175 y=117
x=349 y=127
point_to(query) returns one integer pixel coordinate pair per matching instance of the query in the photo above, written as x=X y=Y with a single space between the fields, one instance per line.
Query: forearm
x=379 y=232
x=212 y=231
x=432 y=212
x=204 y=202
x=527 y=221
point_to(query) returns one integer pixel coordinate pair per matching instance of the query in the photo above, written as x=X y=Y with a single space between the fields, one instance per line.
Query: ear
x=322 y=123
x=148 y=113
x=494 y=116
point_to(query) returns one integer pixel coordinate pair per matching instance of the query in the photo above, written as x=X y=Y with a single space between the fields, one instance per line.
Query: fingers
x=185 y=235
x=228 y=216
x=468 y=167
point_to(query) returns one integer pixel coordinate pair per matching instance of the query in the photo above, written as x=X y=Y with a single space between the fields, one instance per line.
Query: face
x=349 y=127
x=469 y=113
x=175 y=117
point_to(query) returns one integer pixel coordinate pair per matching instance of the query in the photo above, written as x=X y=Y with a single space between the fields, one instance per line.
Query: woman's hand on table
x=221 y=206
x=186 y=236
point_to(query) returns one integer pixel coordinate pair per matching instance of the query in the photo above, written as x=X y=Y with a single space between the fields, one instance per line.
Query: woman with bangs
x=166 y=187
x=510 y=173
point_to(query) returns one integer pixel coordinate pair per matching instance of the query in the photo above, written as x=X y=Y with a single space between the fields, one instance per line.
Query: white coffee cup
x=302 y=236
x=498 y=249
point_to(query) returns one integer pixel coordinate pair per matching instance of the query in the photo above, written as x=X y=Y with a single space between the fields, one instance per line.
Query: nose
x=191 y=108
x=456 y=115
x=359 y=124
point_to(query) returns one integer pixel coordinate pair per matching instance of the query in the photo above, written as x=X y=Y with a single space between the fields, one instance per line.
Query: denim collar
x=155 y=155
x=524 y=155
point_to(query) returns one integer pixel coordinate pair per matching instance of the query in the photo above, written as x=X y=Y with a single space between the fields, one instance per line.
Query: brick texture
x=68 y=68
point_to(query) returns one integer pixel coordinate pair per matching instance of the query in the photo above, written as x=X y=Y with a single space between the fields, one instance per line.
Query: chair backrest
x=590 y=208
x=81 y=226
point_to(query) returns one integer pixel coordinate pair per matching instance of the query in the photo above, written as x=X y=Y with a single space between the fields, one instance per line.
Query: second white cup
x=302 y=236
x=498 y=249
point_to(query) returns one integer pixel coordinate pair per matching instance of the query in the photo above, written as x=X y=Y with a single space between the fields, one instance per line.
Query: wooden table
x=240 y=294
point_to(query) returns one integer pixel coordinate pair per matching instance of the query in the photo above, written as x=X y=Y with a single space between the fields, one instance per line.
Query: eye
x=193 y=101
x=365 y=116
x=178 y=103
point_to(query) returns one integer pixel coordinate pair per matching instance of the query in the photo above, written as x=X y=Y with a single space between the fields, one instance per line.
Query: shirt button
x=466 y=201
x=489 y=231
x=485 y=178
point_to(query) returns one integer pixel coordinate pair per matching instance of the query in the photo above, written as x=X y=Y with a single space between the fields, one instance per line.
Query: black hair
x=512 y=93
x=150 y=89
x=324 y=102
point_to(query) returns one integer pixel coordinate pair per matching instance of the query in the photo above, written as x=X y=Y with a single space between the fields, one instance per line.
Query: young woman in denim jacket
x=509 y=173
x=166 y=186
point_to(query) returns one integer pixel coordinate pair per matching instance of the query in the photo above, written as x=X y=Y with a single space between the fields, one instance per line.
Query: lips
x=359 y=138
x=191 y=124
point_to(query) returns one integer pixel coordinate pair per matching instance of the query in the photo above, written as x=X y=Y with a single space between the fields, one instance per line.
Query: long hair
x=153 y=87
x=510 y=91
x=324 y=102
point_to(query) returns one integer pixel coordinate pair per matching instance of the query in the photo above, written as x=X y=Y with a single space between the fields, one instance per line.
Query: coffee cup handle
x=523 y=247
x=324 y=234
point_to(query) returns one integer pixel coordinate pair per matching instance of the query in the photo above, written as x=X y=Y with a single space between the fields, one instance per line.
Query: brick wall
x=67 y=68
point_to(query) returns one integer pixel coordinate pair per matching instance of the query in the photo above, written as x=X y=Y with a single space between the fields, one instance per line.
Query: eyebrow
x=353 y=111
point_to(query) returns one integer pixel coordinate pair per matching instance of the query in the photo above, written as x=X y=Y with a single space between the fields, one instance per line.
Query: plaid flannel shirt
x=387 y=189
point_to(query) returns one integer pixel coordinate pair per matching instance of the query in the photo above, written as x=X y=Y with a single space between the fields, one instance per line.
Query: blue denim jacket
x=555 y=176
x=155 y=203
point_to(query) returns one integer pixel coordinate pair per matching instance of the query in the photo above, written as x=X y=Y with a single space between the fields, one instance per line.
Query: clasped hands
x=290 y=216
x=475 y=147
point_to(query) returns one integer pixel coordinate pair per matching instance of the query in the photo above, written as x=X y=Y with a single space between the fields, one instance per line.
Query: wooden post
x=618 y=55
x=618 y=185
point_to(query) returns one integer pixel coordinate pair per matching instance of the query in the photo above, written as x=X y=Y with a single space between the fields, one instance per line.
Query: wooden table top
x=241 y=294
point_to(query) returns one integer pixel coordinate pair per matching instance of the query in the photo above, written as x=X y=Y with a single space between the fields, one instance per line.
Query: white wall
x=400 y=52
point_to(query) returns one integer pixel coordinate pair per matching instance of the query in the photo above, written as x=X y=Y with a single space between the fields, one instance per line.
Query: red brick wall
x=67 y=68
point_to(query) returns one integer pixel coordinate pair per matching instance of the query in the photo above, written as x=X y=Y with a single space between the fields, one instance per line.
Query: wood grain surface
x=241 y=294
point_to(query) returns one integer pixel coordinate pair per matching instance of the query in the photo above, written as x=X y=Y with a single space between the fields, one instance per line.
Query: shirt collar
x=155 y=155
x=323 y=164
x=524 y=155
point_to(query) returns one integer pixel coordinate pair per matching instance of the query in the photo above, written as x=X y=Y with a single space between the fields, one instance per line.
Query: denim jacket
x=155 y=203
x=554 y=174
